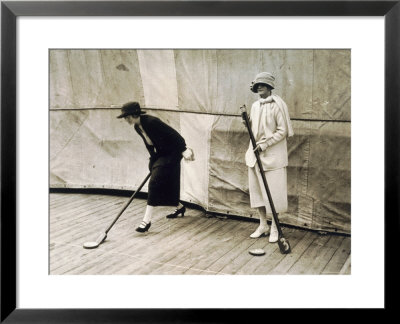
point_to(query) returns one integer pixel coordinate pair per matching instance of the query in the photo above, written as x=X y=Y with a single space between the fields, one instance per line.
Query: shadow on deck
x=193 y=245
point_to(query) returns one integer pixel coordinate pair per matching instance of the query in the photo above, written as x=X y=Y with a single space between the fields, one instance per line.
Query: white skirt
x=277 y=184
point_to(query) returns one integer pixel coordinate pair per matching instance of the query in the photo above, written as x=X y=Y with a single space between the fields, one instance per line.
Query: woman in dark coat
x=166 y=148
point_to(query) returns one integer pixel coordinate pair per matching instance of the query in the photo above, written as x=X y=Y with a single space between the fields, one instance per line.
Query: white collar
x=266 y=100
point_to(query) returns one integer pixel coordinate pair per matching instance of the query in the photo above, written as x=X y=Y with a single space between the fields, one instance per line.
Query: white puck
x=257 y=252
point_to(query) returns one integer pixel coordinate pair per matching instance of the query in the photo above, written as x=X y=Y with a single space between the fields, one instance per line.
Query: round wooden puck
x=257 y=252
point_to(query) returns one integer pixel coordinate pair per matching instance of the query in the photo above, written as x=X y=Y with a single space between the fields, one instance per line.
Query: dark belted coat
x=165 y=160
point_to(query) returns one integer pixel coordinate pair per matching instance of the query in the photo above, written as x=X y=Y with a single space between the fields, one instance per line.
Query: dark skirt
x=165 y=181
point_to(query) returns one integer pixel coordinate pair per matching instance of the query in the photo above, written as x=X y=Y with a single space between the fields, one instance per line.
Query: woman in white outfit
x=270 y=123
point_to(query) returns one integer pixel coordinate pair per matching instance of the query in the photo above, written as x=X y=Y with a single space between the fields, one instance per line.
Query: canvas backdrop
x=199 y=92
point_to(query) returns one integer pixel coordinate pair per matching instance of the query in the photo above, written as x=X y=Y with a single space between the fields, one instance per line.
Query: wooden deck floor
x=193 y=245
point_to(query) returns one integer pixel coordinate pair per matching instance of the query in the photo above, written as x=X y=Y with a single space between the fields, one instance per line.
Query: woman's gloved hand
x=188 y=154
x=258 y=149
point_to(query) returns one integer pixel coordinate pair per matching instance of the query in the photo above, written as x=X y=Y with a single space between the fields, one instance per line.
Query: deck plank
x=79 y=259
x=141 y=247
x=201 y=254
x=242 y=242
x=265 y=263
x=74 y=204
x=196 y=244
x=92 y=222
x=57 y=255
x=294 y=237
x=304 y=264
x=224 y=247
x=346 y=269
x=93 y=216
x=180 y=247
x=339 y=258
x=138 y=246
x=325 y=254
x=82 y=209
x=58 y=199
x=160 y=229
x=283 y=266
x=238 y=260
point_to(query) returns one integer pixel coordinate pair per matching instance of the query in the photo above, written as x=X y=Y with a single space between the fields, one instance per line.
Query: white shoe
x=260 y=231
x=273 y=236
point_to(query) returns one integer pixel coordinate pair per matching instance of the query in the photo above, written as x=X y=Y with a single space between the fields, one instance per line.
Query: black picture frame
x=10 y=10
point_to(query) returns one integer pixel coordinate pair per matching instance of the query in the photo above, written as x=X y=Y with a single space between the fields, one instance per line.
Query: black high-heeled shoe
x=143 y=227
x=180 y=211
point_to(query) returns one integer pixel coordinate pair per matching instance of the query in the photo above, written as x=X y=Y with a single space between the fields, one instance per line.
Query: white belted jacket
x=270 y=123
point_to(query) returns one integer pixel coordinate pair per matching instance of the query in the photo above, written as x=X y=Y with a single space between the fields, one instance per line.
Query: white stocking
x=273 y=225
x=263 y=217
x=148 y=213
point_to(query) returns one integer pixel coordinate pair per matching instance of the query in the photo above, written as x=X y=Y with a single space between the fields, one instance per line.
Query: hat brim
x=254 y=87
x=128 y=114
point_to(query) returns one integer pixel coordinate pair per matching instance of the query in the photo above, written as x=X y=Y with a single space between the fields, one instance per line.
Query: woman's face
x=132 y=119
x=263 y=90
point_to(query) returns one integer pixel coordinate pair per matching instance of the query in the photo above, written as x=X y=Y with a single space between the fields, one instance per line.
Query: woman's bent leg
x=146 y=222
x=148 y=214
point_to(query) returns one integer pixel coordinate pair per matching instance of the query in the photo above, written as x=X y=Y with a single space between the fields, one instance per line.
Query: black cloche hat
x=131 y=108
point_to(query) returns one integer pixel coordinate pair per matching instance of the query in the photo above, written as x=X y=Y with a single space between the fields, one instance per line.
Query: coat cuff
x=263 y=146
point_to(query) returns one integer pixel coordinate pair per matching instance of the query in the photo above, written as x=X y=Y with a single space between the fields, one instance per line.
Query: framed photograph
x=75 y=76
